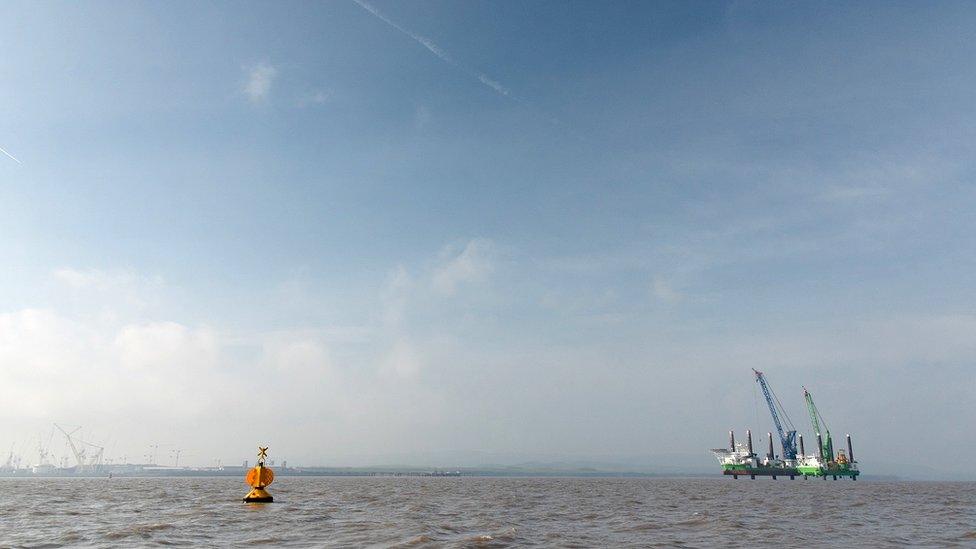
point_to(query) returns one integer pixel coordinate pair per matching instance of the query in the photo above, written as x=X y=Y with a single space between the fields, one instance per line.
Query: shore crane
x=79 y=453
x=84 y=462
x=787 y=436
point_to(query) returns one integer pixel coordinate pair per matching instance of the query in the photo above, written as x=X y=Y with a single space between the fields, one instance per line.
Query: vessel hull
x=760 y=471
x=815 y=471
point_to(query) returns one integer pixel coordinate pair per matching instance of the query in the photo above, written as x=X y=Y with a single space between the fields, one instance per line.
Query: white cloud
x=471 y=265
x=165 y=347
x=395 y=295
x=148 y=377
x=419 y=312
x=408 y=380
x=403 y=359
x=110 y=289
x=260 y=77
x=296 y=351
x=59 y=366
x=142 y=379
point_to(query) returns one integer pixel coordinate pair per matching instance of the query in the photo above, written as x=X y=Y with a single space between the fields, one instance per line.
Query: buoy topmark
x=258 y=478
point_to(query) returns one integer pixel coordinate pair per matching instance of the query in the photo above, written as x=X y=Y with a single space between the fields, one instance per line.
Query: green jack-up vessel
x=739 y=459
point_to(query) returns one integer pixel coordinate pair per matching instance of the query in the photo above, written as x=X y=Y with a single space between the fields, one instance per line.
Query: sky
x=465 y=233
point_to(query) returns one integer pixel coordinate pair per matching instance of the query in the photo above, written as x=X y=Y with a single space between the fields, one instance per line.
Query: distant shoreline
x=457 y=473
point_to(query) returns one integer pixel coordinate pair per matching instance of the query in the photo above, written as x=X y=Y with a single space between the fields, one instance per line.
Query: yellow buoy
x=258 y=478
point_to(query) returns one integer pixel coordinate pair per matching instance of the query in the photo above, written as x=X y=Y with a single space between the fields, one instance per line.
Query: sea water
x=486 y=512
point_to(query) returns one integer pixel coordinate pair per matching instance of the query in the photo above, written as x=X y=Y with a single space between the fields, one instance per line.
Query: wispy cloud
x=440 y=53
x=12 y=157
x=664 y=291
x=317 y=97
x=119 y=289
x=103 y=280
x=471 y=264
x=850 y=193
x=421 y=117
x=260 y=77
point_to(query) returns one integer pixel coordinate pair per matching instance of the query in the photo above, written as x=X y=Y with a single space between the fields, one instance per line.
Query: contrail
x=441 y=54
x=12 y=157
x=481 y=77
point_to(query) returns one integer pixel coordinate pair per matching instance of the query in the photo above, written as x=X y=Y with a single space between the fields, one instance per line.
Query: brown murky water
x=486 y=512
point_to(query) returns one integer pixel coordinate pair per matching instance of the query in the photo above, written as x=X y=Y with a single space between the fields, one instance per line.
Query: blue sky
x=480 y=231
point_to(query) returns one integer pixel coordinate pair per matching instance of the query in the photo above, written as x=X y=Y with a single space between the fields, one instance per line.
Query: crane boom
x=79 y=454
x=787 y=436
x=826 y=445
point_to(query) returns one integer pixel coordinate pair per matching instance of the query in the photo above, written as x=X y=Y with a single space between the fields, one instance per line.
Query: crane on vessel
x=787 y=436
x=824 y=440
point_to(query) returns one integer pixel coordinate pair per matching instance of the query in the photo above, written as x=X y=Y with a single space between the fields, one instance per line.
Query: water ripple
x=485 y=512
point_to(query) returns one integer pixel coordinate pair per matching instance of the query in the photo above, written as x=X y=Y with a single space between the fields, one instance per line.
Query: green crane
x=826 y=444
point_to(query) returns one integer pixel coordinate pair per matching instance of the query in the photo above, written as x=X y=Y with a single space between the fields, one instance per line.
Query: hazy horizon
x=353 y=231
